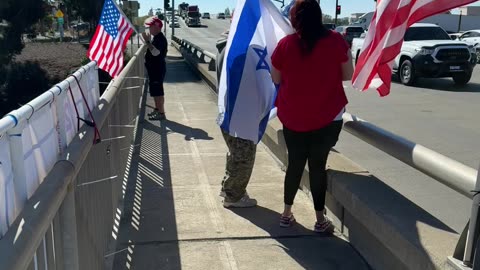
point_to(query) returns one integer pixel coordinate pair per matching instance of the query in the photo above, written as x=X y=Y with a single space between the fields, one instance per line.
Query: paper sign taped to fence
x=7 y=191
x=93 y=89
x=40 y=142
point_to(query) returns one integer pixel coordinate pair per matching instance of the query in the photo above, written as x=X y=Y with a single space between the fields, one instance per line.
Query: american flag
x=110 y=39
x=385 y=37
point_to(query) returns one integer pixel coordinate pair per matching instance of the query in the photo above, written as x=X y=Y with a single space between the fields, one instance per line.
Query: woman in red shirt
x=310 y=66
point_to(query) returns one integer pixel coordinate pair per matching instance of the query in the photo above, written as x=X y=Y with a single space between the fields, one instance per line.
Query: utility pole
x=173 y=18
x=165 y=25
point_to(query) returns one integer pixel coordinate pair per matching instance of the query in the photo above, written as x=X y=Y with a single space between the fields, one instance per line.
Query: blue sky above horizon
x=213 y=6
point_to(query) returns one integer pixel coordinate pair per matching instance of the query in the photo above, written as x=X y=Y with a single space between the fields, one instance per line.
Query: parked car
x=455 y=36
x=472 y=38
x=428 y=51
x=221 y=16
x=350 y=32
x=78 y=26
x=206 y=15
x=174 y=24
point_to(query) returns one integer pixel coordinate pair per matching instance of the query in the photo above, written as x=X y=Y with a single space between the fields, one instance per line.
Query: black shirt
x=160 y=43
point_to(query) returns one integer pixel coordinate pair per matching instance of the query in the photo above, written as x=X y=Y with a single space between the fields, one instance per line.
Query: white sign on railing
x=34 y=136
x=90 y=88
x=7 y=200
x=40 y=147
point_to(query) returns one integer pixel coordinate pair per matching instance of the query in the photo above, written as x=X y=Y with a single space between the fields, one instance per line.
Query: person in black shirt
x=155 y=65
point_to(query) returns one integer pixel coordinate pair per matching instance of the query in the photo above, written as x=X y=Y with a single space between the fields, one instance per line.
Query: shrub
x=20 y=83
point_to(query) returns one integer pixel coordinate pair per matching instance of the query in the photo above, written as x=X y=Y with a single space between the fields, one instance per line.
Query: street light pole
x=173 y=18
x=165 y=20
x=459 y=22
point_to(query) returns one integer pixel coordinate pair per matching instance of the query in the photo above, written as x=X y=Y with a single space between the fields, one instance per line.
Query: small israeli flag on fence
x=246 y=92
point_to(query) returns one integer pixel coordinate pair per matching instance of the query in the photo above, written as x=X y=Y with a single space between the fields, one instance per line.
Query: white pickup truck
x=428 y=51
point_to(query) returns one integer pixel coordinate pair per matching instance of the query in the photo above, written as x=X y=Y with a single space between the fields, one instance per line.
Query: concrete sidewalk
x=173 y=216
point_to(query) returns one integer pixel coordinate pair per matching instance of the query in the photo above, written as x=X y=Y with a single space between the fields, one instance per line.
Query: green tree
x=183 y=6
x=343 y=21
x=87 y=10
x=17 y=17
x=327 y=18
x=129 y=13
x=21 y=76
x=227 y=12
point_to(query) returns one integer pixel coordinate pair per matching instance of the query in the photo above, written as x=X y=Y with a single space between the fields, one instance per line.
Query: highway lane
x=204 y=36
x=434 y=113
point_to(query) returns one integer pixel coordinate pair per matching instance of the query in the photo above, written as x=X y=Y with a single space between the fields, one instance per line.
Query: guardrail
x=459 y=177
x=455 y=175
x=72 y=219
x=198 y=52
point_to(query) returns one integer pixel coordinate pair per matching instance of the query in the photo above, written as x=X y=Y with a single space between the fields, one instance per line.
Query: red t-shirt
x=311 y=93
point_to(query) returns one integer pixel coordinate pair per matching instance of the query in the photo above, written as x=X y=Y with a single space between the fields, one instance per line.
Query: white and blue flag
x=246 y=92
x=287 y=8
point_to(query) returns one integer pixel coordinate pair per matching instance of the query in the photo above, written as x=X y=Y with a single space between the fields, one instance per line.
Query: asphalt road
x=205 y=36
x=435 y=113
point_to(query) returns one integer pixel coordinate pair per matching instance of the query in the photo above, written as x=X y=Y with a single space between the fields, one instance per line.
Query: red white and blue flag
x=110 y=39
x=384 y=39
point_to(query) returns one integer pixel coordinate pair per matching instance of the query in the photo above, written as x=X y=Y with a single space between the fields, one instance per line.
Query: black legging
x=313 y=146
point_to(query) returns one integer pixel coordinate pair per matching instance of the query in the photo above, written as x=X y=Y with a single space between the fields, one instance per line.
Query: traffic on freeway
x=206 y=35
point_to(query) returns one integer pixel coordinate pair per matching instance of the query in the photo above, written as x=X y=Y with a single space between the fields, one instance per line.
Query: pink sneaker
x=286 y=222
x=325 y=226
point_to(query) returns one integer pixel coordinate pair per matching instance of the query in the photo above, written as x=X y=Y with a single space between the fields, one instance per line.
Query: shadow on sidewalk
x=189 y=132
x=407 y=218
x=149 y=203
x=145 y=189
x=179 y=72
x=310 y=250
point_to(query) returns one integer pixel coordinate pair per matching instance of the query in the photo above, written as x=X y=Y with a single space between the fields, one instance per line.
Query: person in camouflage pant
x=240 y=158
x=239 y=167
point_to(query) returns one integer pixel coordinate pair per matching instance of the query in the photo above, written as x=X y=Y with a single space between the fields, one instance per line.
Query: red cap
x=154 y=21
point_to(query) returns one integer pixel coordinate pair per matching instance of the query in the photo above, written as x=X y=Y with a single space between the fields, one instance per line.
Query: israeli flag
x=246 y=92
x=287 y=8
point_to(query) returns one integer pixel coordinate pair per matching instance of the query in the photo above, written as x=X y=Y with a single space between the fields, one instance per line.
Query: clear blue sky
x=214 y=6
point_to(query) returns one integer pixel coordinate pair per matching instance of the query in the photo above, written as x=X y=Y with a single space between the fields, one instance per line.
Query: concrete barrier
x=387 y=229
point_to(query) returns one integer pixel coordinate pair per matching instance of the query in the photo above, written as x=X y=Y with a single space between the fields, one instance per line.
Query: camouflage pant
x=240 y=161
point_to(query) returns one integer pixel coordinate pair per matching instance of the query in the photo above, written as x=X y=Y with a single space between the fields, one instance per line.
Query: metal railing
x=71 y=221
x=447 y=171
x=198 y=52
x=457 y=176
